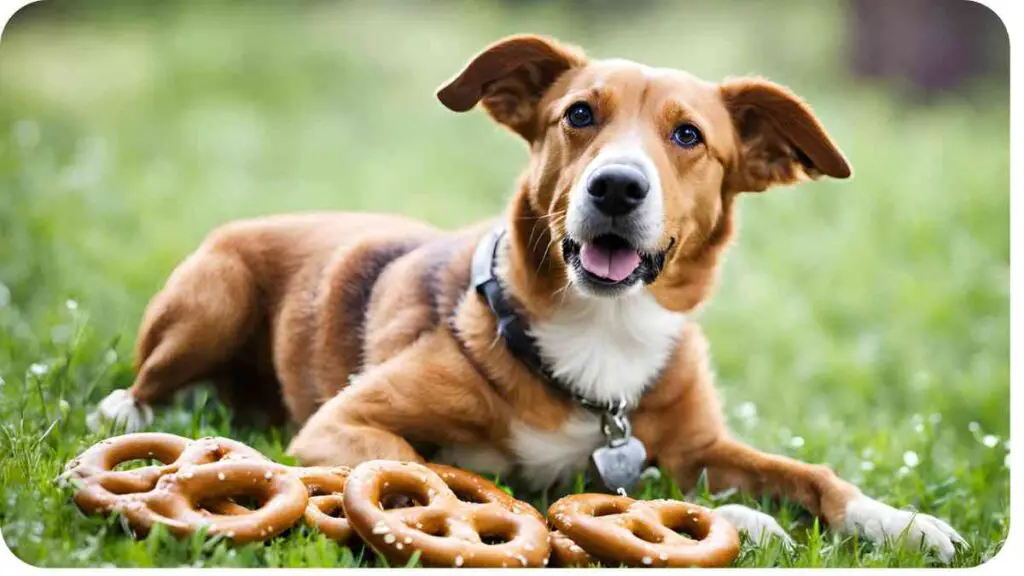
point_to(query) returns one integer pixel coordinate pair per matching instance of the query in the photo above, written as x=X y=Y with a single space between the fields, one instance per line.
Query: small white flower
x=63 y=406
x=903 y=471
x=910 y=459
x=919 y=428
x=110 y=356
x=71 y=305
x=867 y=465
x=990 y=440
x=1005 y=444
x=796 y=441
x=747 y=411
x=39 y=368
x=974 y=427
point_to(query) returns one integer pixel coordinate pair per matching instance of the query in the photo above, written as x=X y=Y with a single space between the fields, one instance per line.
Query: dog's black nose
x=618 y=189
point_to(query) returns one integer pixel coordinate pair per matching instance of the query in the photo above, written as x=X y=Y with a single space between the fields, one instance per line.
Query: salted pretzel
x=469 y=487
x=191 y=473
x=445 y=530
x=325 y=509
x=620 y=530
x=567 y=554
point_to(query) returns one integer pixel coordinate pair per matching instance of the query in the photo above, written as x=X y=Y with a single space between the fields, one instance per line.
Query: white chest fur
x=603 y=347
x=607 y=348
x=543 y=458
x=546 y=458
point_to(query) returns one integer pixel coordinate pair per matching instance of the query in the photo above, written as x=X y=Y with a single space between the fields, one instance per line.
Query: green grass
x=856 y=323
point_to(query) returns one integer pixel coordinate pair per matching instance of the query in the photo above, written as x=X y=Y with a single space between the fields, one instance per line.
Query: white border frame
x=1012 y=553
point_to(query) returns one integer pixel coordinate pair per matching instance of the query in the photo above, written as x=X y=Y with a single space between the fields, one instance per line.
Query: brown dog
x=379 y=333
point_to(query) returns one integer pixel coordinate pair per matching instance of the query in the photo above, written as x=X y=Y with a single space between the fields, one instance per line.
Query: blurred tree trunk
x=931 y=45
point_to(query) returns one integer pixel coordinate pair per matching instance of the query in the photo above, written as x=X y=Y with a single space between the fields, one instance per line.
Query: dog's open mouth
x=609 y=257
x=610 y=260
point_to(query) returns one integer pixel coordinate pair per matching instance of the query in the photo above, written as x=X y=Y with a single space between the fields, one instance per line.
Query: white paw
x=756 y=525
x=882 y=523
x=120 y=407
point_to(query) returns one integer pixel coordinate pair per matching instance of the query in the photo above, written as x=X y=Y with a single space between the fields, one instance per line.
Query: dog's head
x=633 y=169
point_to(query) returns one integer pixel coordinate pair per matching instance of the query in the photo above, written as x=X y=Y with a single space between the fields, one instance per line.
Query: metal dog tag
x=617 y=467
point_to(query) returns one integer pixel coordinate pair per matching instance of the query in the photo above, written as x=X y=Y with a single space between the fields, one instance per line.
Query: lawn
x=863 y=324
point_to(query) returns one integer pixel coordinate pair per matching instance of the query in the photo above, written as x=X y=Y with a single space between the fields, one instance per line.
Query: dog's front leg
x=731 y=464
x=426 y=393
x=338 y=435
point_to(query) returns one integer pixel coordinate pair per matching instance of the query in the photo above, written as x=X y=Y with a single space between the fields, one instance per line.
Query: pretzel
x=445 y=530
x=620 y=530
x=567 y=554
x=325 y=509
x=191 y=473
x=469 y=487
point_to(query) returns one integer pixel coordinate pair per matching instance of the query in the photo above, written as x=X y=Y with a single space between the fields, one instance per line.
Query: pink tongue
x=613 y=264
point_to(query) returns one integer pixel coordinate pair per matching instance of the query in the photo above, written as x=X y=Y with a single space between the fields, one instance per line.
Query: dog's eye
x=687 y=136
x=579 y=115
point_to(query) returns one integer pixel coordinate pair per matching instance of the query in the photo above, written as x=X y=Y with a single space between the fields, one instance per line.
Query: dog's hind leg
x=189 y=331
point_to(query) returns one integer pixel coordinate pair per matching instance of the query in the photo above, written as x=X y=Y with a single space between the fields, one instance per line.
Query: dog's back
x=302 y=281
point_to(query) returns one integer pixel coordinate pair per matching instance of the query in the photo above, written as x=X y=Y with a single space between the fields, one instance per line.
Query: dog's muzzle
x=614 y=225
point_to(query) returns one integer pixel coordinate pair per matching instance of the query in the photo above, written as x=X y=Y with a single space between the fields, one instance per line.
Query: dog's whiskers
x=554 y=240
x=538 y=220
x=562 y=292
x=552 y=215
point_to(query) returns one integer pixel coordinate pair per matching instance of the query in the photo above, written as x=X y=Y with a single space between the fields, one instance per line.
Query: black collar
x=513 y=330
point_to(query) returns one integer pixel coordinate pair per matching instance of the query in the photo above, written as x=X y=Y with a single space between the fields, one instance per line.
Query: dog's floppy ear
x=780 y=140
x=509 y=77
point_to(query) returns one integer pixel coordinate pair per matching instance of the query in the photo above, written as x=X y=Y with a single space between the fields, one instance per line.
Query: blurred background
x=848 y=313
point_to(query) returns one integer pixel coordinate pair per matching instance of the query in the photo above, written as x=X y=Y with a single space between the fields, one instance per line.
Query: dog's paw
x=121 y=408
x=882 y=524
x=758 y=526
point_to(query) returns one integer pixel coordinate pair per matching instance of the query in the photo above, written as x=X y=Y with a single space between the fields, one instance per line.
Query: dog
x=523 y=345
